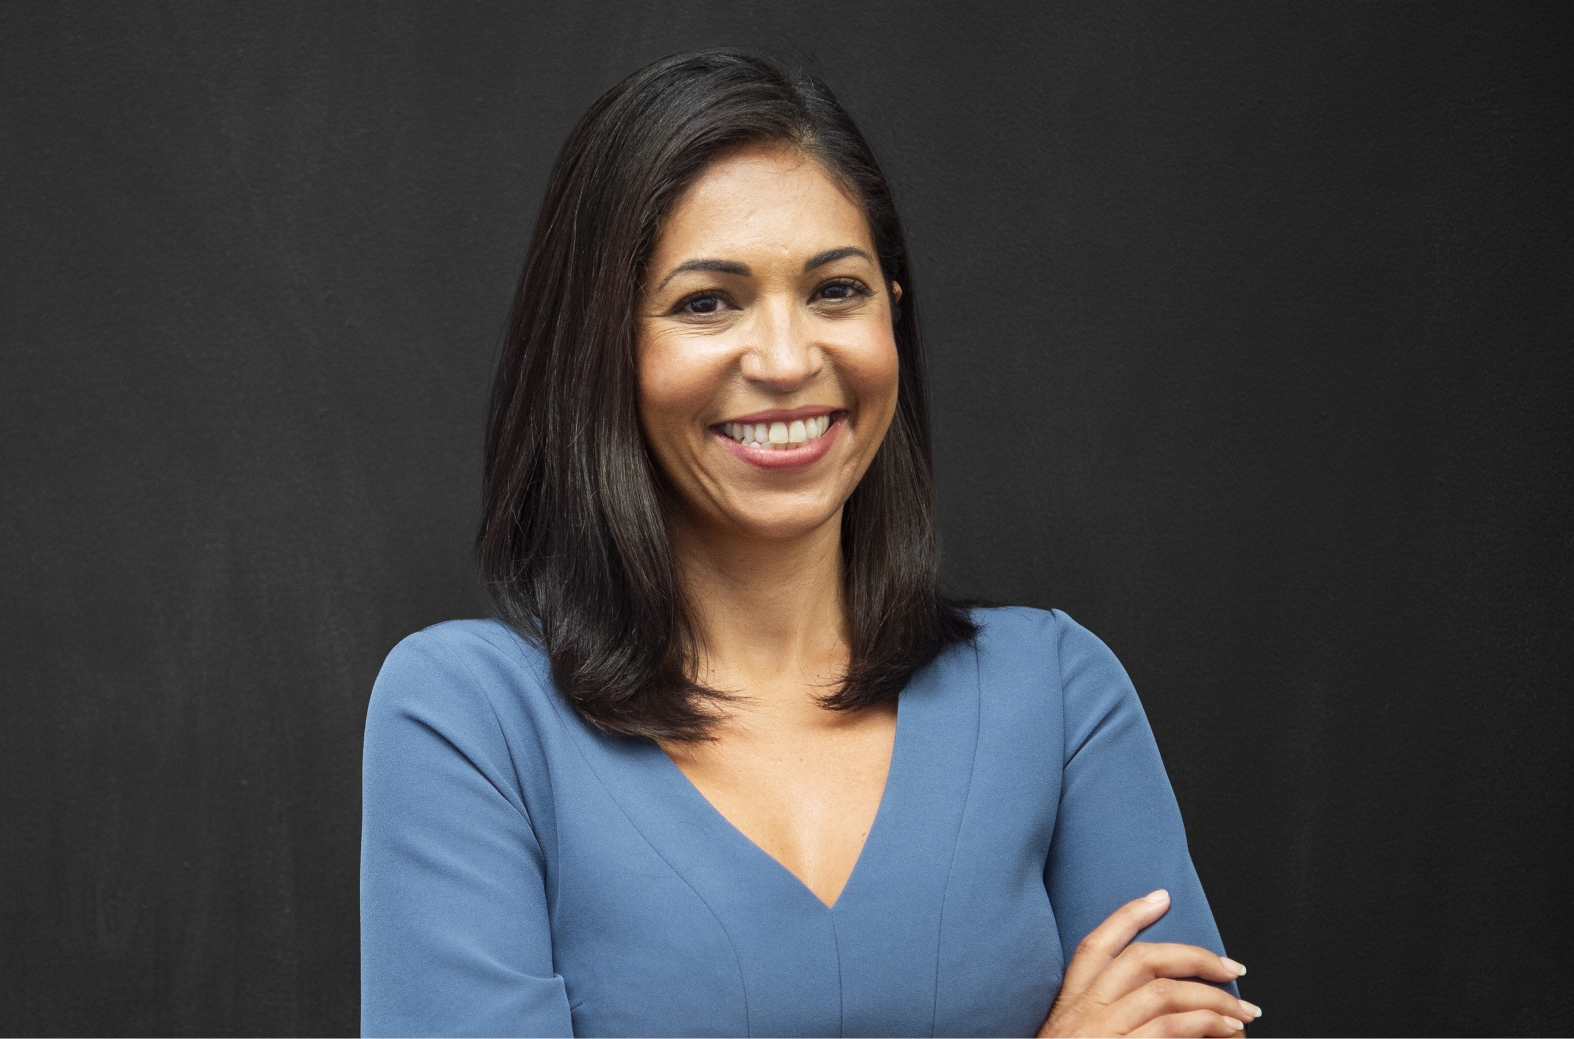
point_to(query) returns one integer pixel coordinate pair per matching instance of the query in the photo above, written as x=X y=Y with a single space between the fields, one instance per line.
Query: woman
x=728 y=763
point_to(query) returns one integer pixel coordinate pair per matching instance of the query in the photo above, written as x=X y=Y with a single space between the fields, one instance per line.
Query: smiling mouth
x=780 y=436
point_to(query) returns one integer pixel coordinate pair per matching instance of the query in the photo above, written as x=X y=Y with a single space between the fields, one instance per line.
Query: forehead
x=761 y=199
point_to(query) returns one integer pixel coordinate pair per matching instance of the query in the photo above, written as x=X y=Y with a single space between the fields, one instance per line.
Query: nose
x=781 y=350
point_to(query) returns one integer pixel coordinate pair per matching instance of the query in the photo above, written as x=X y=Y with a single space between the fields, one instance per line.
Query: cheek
x=874 y=371
x=675 y=382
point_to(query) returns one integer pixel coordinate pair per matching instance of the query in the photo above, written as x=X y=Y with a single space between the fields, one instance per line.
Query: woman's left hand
x=1114 y=986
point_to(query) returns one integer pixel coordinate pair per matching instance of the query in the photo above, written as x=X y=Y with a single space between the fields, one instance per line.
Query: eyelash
x=683 y=304
x=858 y=290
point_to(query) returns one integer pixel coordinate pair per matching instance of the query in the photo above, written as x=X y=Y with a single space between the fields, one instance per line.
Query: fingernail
x=1255 y=1011
x=1234 y=1025
x=1229 y=964
x=1157 y=896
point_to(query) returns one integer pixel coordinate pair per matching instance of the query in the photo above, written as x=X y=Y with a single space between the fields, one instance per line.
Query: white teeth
x=778 y=435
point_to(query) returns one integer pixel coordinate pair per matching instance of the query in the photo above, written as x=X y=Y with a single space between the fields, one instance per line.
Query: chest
x=808 y=799
x=669 y=919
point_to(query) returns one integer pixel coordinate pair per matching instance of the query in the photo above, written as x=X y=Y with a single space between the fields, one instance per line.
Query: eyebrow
x=716 y=266
x=742 y=269
x=832 y=255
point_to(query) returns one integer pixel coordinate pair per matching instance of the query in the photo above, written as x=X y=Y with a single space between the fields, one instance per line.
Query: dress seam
x=1065 y=732
x=743 y=985
x=549 y=871
x=545 y=679
x=841 y=999
x=522 y=809
x=956 y=847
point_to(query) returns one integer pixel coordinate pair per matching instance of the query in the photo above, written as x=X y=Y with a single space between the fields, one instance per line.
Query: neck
x=769 y=613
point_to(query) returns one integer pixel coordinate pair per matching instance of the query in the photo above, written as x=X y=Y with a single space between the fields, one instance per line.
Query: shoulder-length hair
x=573 y=543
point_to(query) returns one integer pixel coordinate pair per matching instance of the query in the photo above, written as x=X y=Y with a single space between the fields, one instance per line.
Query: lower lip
x=807 y=453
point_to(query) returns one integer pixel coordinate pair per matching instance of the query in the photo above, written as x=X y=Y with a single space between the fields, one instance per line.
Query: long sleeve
x=455 y=935
x=1118 y=833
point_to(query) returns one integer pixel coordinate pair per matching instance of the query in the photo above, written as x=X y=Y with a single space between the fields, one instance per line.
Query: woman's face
x=766 y=360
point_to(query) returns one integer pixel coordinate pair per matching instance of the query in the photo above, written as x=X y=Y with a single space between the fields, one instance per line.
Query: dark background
x=1249 y=331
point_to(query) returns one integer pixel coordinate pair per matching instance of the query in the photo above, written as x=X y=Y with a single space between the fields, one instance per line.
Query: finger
x=1192 y=1023
x=1167 y=996
x=1106 y=941
x=1142 y=962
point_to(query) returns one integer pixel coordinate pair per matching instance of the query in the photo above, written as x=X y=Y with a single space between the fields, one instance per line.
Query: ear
x=896 y=302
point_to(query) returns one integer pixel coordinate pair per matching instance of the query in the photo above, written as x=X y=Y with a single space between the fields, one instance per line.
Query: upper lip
x=783 y=414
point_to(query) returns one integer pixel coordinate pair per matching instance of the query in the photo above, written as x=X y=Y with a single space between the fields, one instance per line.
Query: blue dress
x=523 y=873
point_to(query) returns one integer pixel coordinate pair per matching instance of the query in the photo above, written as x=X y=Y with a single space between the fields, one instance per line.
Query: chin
x=788 y=527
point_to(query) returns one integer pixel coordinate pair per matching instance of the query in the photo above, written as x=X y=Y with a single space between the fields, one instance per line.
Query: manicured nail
x=1255 y=1011
x=1234 y=1025
x=1229 y=964
x=1157 y=896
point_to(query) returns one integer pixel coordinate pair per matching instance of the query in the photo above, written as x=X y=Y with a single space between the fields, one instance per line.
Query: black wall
x=1250 y=337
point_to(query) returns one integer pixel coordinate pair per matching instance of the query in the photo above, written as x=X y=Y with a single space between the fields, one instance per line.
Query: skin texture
x=739 y=316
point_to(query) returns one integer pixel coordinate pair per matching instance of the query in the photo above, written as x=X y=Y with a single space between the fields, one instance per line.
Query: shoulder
x=458 y=699
x=1022 y=637
x=464 y=674
x=1063 y=665
x=482 y=650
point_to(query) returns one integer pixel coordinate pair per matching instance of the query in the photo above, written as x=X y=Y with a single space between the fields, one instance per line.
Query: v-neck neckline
x=698 y=802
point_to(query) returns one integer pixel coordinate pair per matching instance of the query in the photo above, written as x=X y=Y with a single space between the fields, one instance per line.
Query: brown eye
x=701 y=304
x=841 y=291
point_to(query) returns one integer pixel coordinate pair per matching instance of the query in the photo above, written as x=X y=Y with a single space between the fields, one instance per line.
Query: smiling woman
x=727 y=763
x=588 y=554
x=754 y=368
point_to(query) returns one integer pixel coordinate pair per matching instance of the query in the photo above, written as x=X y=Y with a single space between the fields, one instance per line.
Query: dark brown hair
x=573 y=544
